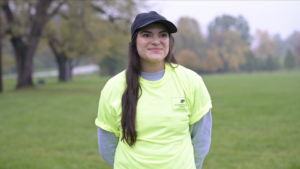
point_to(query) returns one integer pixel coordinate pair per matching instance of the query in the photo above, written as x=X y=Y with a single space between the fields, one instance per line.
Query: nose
x=155 y=40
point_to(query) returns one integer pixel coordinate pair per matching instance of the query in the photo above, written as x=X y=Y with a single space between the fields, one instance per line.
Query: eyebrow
x=145 y=31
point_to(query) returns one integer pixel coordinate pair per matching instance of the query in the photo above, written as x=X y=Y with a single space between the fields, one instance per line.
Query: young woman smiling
x=156 y=113
x=153 y=47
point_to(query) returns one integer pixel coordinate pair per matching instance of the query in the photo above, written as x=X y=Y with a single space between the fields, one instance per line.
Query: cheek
x=166 y=46
x=139 y=47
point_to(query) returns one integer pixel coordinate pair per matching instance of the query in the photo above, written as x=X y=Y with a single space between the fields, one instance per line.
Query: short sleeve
x=106 y=119
x=201 y=102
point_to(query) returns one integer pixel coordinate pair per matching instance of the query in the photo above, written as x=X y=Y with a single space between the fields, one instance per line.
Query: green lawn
x=255 y=123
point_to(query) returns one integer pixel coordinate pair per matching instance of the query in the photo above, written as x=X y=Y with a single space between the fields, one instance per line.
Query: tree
x=8 y=61
x=114 y=30
x=189 y=36
x=298 y=54
x=113 y=47
x=212 y=62
x=231 y=49
x=290 y=60
x=78 y=32
x=272 y=63
x=281 y=46
x=250 y=64
x=111 y=65
x=260 y=64
x=189 y=59
x=227 y=22
x=229 y=36
x=266 y=45
x=293 y=43
x=1 y=85
x=69 y=39
x=25 y=24
x=294 y=40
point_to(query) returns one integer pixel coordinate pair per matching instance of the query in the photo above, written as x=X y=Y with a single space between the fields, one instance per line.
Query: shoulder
x=187 y=75
x=115 y=85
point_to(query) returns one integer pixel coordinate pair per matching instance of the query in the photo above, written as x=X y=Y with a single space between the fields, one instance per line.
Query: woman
x=155 y=114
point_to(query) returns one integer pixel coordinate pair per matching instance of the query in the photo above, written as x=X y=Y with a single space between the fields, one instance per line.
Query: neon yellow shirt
x=164 y=112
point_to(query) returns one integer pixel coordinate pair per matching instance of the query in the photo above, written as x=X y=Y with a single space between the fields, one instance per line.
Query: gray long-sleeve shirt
x=200 y=133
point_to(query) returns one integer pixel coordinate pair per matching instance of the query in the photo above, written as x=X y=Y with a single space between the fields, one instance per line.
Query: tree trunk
x=1 y=82
x=62 y=61
x=70 y=68
x=23 y=63
x=63 y=67
x=25 y=47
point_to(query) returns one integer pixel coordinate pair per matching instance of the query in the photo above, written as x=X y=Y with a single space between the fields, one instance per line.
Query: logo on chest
x=178 y=103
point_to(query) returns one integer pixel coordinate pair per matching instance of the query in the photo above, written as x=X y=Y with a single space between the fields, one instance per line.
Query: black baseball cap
x=144 y=19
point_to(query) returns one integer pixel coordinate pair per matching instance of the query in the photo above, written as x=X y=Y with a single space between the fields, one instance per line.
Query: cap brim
x=169 y=25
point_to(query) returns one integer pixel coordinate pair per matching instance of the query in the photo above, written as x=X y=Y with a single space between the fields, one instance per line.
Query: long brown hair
x=133 y=89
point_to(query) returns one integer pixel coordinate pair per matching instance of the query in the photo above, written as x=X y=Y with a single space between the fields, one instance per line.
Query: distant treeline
x=230 y=47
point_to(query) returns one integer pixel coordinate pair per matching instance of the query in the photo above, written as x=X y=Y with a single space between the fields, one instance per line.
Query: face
x=153 y=43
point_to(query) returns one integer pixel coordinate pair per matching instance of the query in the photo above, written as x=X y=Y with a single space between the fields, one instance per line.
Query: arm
x=108 y=143
x=201 y=138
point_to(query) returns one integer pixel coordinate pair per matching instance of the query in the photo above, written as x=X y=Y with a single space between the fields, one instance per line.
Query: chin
x=156 y=58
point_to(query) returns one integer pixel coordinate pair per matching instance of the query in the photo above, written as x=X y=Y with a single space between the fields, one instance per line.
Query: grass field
x=255 y=123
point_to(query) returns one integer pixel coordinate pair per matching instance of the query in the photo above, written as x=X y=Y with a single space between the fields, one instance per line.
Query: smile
x=155 y=49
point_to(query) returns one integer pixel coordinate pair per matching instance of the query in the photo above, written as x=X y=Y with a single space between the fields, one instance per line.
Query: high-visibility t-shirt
x=165 y=110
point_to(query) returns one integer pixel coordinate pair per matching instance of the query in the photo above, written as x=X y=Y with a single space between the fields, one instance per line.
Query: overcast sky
x=276 y=17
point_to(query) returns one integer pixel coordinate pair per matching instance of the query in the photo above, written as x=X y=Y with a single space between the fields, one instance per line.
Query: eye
x=146 y=35
x=164 y=35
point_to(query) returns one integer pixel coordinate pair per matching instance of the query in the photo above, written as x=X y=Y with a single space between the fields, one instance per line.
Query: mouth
x=155 y=49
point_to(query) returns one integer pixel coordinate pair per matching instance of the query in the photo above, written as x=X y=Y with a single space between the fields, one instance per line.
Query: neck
x=152 y=67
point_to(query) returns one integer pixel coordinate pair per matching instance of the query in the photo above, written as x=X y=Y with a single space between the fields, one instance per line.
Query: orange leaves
x=212 y=62
x=189 y=59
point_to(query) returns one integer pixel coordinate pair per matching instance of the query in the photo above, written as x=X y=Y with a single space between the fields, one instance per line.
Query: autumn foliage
x=189 y=59
x=229 y=47
x=212 y=62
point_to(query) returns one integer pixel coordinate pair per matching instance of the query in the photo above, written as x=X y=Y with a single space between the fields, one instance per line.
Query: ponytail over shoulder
x=133 y=90
x=130 y=96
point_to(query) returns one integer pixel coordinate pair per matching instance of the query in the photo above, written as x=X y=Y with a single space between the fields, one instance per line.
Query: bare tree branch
x=9 y=15
x=83 y=25
x=53 y=43
x=97 y=8
x=56 y=9
x=114 y=19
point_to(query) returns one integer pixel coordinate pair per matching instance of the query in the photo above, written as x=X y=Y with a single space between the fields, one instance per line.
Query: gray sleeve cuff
x=201 y=138
x=108 y=143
